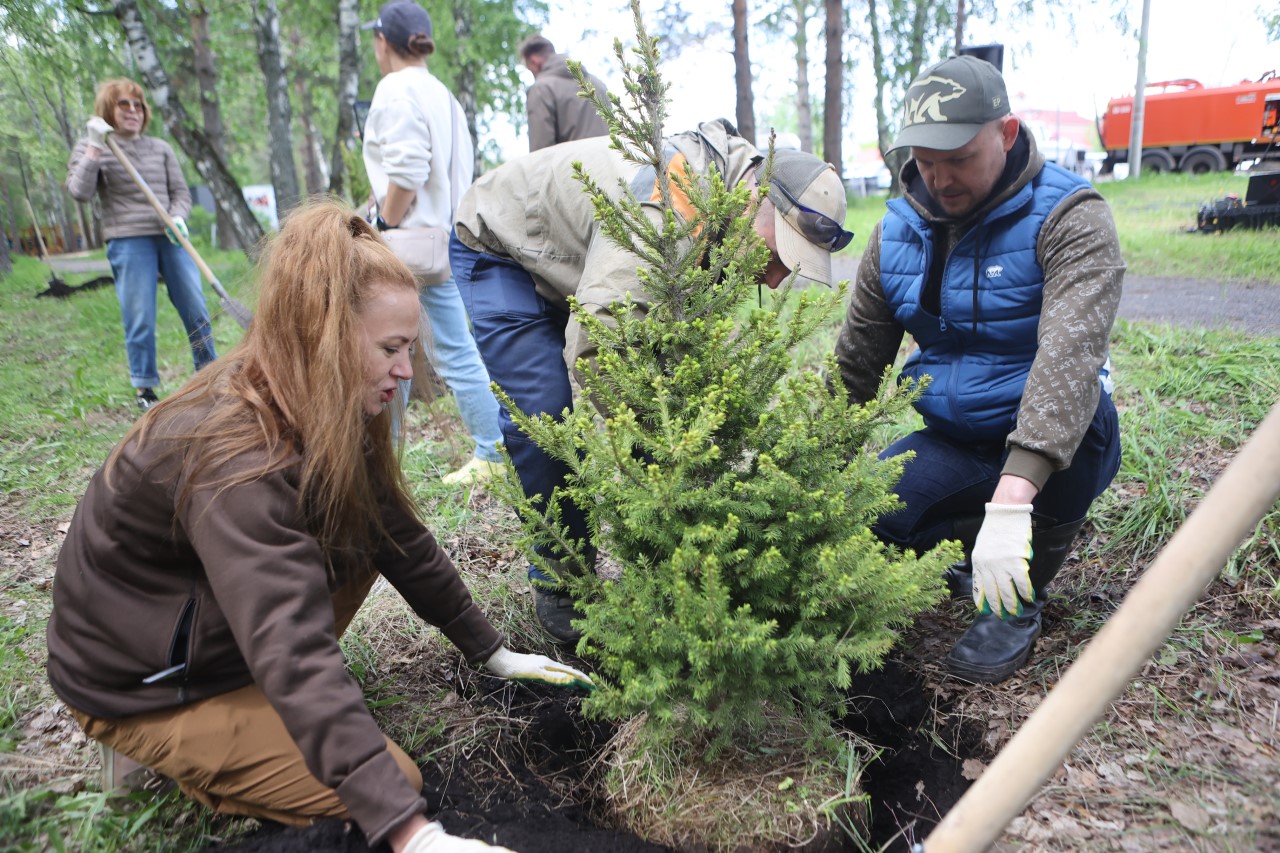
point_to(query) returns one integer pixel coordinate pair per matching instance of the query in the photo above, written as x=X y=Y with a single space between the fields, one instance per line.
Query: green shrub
x=734 y=493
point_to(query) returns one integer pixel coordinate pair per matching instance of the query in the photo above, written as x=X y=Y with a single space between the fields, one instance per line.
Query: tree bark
x=746 y=110
x=465 y=81
x=6 y=232
x=833 y=97
x=313 y=164
x=191 y=139
x=959 y=25
x=804 y=111
x=14 y=233
x=347 y=89
x=284 y=170
x=210 y=108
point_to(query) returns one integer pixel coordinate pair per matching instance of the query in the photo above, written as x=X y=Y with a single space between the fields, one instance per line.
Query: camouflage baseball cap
x=949 y=103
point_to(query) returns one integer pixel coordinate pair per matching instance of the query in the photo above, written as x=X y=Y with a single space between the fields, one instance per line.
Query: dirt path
x=1251 y=307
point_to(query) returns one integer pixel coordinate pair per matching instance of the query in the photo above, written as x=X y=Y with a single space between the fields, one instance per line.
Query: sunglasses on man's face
x=126 y=104
x=817 y=228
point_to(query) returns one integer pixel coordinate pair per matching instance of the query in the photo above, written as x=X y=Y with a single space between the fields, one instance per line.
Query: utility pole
x=1139 y=96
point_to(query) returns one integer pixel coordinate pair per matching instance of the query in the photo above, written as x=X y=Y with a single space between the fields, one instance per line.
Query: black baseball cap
x=399 y=21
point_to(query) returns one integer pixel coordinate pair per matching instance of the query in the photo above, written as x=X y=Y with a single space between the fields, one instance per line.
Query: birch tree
x=345 y=92
x=190 y=138
x=284 y=169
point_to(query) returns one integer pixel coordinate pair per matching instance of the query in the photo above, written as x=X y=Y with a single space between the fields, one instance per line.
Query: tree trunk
x=959 y=25
x=14 y=234
x=191 y=139
x=746 y=110
x=284 y=171
x=833 y=97
x=465 y=80
x=210 y=108
x=347 y=89
x=313 y=165
x=804 y=110
x=67 y=209
x=6 y=232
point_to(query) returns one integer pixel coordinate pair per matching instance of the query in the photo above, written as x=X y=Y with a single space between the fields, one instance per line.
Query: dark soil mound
x=915 y=780
x=522 y=804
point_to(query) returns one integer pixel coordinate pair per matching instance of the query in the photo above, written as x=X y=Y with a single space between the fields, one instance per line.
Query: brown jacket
x=556 y=112
x=125 y=209
x=154 y=608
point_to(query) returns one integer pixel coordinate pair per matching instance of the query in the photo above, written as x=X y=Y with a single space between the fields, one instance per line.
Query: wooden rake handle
x=165 y=217
x=1244 y=493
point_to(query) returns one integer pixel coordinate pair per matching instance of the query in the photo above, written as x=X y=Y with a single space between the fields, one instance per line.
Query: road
x=1251 y=307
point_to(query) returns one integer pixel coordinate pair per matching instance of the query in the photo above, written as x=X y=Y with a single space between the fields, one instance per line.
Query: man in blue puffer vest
x=1006 y=272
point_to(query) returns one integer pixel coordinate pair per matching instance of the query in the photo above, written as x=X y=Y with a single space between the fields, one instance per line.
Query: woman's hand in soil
x=539 y=668
x=433 y=839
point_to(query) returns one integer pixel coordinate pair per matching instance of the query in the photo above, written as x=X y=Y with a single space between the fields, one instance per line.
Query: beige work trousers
x=233 y=753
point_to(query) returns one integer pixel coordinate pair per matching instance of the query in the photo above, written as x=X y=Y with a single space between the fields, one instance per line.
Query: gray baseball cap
x=949 y=103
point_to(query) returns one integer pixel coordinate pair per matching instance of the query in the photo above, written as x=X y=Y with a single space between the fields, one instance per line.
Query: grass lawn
x=1187 y=758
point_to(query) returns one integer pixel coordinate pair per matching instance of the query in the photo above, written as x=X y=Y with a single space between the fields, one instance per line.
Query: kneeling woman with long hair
x=231 y=536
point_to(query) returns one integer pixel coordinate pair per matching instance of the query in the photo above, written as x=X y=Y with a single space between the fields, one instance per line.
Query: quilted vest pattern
x=978 y=350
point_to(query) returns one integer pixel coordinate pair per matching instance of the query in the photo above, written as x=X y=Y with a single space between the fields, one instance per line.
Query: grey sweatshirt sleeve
x=82 y=173
x=870 y=336
x=1079 y=250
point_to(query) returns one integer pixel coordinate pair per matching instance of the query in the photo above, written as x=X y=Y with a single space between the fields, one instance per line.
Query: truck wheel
x=1203 y=159
x=1157 y=161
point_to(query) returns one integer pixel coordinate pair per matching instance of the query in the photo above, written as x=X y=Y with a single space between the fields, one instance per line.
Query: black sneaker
x=147 y=398
x=556 y=613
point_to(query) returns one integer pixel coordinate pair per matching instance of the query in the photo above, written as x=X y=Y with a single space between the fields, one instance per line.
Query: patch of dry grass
x=781 y=799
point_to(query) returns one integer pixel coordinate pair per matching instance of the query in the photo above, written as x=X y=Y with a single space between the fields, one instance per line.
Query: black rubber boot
x=959 y=576
x=555 y=608
x=993 y=648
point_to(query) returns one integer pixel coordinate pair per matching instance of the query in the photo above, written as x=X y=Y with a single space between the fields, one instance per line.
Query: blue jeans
x=135 y=263
x=949 y=480
x=453 y=354
x=521 y=337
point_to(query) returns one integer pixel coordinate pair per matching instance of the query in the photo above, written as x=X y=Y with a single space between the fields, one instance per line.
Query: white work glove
x=433 y=839
x=1001 y=555
x=181 y=225
x=538 y=668
x=98 y=130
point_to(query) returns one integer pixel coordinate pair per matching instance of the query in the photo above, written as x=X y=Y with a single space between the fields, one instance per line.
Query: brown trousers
x=232 y=752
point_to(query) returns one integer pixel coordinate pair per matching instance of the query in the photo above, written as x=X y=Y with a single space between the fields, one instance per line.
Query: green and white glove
x=98 y=128
x=433 y=839
x=537 y=668
x=1001 y=560
x=181 y=225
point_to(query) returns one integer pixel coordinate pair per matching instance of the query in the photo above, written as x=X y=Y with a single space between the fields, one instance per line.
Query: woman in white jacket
x=416 y=145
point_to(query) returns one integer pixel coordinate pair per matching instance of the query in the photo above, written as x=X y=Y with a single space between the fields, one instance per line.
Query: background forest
x=260 y=92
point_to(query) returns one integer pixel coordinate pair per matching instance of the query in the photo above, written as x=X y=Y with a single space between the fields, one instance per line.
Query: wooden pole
x=234 y=308
x=1244 y=493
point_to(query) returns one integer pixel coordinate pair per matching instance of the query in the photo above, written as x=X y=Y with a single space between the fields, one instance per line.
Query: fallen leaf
x=972 y=769
x=1189 y=815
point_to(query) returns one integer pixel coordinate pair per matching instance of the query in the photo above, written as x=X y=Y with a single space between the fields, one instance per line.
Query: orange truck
x=1188 y=127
